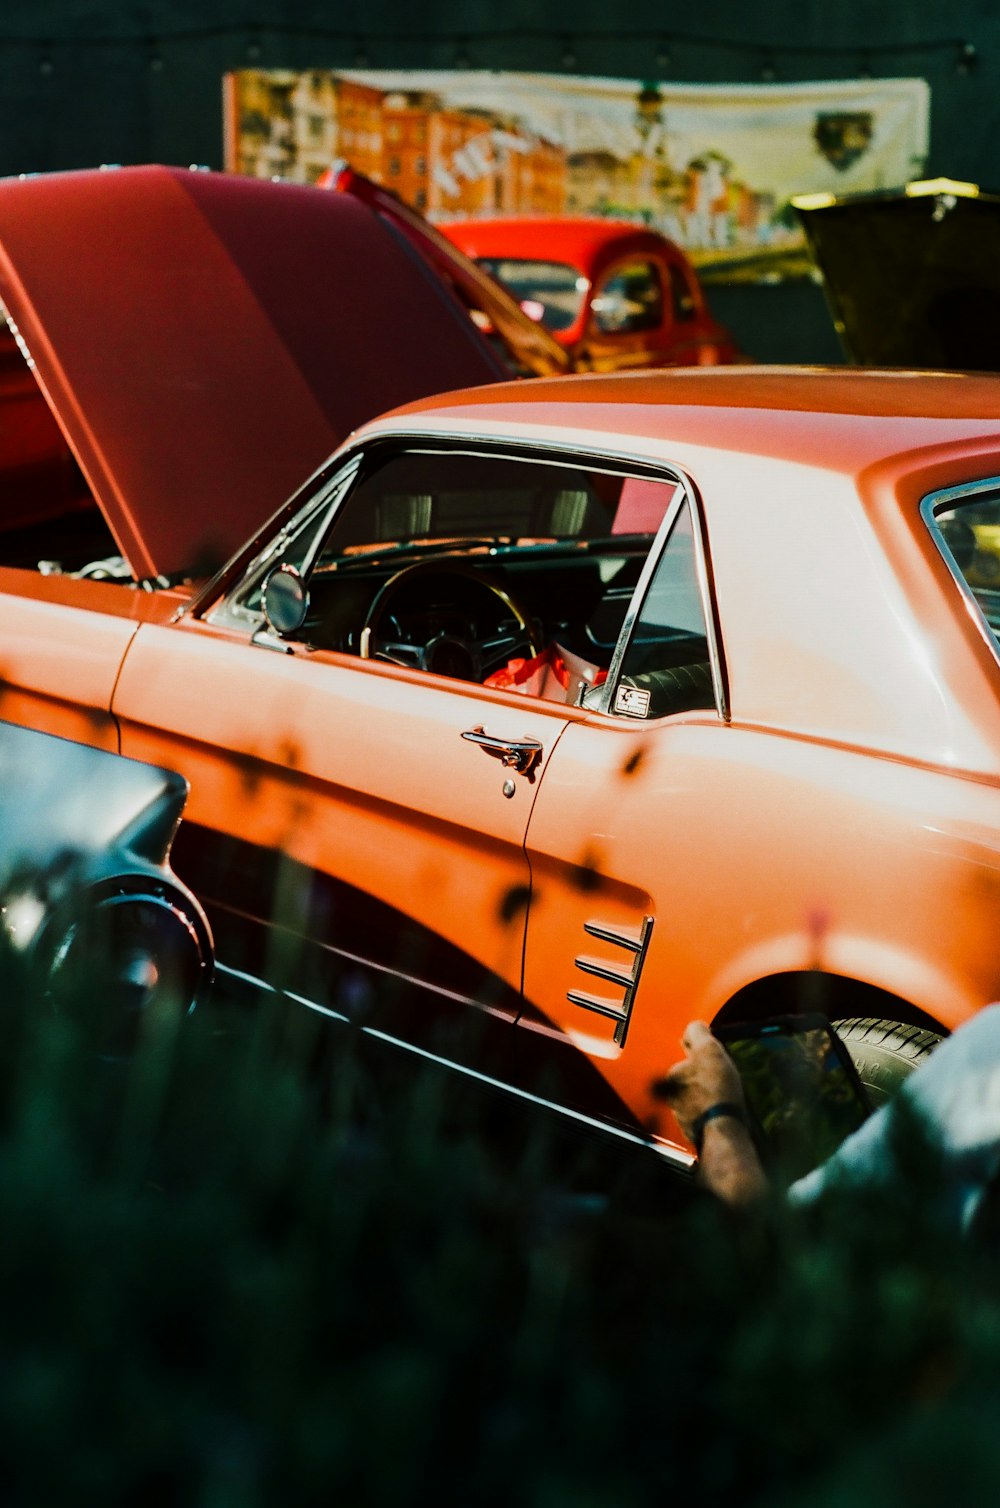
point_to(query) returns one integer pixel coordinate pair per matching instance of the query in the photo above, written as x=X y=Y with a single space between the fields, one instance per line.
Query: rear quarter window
x=968 y=532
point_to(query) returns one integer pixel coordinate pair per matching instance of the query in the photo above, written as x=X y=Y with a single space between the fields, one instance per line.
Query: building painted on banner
x=713 y=168
x=444 y=160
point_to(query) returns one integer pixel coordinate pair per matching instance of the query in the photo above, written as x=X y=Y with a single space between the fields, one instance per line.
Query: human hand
x=707 y=1076
x=707 y=1079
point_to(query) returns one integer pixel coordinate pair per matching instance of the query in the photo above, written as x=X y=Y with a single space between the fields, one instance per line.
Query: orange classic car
x=543 y=716
x=616 y=296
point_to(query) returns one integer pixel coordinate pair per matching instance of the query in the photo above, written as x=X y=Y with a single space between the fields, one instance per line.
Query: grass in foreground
x=238 y=1270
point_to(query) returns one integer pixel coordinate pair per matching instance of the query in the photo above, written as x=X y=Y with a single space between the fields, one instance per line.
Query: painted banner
x=712 y=166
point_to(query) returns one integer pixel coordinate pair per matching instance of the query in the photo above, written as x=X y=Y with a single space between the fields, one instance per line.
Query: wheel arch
x=837 y=996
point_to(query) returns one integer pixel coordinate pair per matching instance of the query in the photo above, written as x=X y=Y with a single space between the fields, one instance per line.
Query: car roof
x=842 y=419
x=582 y=241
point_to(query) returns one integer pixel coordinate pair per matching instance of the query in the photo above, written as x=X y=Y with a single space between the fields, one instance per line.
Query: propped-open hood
x=204 y=341
x=531 y=350
x=912 y=275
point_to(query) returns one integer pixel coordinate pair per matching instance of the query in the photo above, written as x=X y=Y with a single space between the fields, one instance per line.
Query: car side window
x=551 y=292
x=970 y=532
x=516 y=572
x=629 y=299
x=666 y=666
x=682 y=295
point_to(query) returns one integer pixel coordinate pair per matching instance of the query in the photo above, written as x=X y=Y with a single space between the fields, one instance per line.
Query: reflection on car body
x=572 y=708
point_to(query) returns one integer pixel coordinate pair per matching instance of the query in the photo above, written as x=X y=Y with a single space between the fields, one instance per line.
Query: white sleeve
x=957 y=1093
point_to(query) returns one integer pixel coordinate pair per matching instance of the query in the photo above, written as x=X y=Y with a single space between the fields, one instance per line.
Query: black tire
x=885 y=1053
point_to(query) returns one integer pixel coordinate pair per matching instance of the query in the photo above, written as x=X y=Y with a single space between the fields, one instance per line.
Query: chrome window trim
x=530 y=451
x=354 y=456
x=541 y=451
x=230 y=609
x=709 y=606
x=523 y=448
x=221 y=586
x=603 y=703
x=686 y=495
x=449 y=438
x=937 y=502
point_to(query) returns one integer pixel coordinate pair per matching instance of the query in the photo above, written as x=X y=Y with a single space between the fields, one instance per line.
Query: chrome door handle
x=520 y=754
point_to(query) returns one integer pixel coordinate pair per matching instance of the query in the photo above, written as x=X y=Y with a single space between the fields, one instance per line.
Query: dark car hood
x=912 y=275
x=204 y=341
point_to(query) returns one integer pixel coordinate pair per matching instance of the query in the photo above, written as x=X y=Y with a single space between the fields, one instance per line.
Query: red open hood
x=205 y=341
x=532 y=351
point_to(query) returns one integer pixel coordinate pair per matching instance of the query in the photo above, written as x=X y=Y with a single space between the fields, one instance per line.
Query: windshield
x=550 y=292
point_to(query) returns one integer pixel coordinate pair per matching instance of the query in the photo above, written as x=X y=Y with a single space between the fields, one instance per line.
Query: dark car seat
x=685 y=688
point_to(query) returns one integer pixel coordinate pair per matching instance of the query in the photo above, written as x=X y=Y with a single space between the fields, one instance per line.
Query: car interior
x=512 y=572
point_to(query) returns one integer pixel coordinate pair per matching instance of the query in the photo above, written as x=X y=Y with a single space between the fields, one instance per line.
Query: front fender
x=84 y=866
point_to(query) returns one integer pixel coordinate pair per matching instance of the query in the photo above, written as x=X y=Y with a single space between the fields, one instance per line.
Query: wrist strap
x=713 y=1113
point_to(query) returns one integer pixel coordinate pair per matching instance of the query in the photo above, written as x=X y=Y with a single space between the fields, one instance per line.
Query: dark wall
x=784 y=322
x=84 y=82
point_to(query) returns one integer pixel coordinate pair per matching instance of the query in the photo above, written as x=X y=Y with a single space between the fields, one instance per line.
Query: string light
x=957 y=53
x=968 y=57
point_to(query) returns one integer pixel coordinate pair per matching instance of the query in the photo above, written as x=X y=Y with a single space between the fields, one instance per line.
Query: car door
x=355 y=826
x=630 y=317
x=616 y=836
x=338 y=804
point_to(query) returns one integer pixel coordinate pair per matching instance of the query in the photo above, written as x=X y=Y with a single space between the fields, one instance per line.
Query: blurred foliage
x=253 y=1265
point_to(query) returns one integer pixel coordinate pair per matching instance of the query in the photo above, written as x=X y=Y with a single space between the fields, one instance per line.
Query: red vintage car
x=615 y=295
x=539 y=717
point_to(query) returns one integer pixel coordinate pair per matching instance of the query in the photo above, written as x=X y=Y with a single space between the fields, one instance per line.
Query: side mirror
x=285 y=600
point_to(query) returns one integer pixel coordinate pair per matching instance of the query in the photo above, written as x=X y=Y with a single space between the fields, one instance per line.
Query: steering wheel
x=449 y=652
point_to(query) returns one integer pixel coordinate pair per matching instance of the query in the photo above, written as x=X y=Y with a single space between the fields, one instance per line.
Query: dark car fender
x=85 y=840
